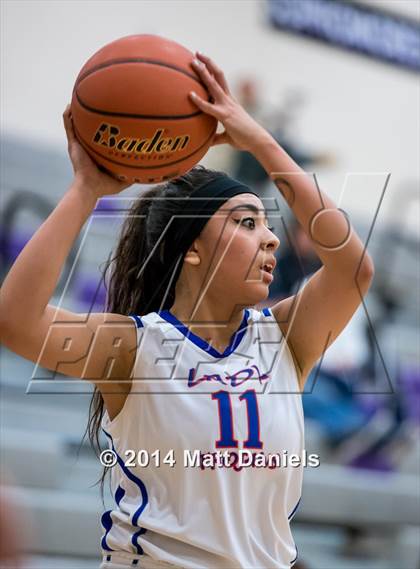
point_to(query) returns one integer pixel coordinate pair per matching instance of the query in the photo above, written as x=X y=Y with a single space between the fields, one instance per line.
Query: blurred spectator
x=244 y=166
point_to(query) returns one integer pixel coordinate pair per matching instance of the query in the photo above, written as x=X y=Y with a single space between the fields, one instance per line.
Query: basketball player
x=197 y=371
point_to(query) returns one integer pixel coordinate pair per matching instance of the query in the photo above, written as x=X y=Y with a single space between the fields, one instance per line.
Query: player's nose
x=270 y=242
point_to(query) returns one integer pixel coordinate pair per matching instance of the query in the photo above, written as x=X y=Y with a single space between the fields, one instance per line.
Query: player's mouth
x=267 y=269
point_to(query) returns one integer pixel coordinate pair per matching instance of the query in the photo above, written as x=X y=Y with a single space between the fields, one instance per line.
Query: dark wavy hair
x=140 y=283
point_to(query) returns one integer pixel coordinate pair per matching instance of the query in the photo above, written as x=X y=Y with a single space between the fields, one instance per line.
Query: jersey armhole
x=106 y=422
x=139 y=325
x=137 y=320
x=268 y=313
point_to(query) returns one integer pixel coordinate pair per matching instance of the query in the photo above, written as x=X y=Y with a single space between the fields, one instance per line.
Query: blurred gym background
x=337 y=83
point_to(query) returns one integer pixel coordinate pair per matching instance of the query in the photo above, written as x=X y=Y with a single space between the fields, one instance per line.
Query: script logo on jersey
x=234 y=379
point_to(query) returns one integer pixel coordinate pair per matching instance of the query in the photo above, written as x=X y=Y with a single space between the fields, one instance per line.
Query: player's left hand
x=86 y=171
x=241 y=130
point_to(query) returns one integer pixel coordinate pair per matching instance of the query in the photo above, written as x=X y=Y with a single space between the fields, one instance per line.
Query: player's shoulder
x=264 y=313
x=145 y=320
x=260 y=314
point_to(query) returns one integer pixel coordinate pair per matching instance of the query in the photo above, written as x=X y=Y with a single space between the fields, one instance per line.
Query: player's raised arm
x=319 y=312
x=314 y=317
x=78 y=345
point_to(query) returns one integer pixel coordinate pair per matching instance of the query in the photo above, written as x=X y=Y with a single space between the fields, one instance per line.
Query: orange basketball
x=132 y=113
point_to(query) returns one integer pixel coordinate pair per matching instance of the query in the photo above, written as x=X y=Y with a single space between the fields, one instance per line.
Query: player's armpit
x=313 y=318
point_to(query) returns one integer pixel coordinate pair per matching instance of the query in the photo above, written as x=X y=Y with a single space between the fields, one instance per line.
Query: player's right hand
x=86 y=172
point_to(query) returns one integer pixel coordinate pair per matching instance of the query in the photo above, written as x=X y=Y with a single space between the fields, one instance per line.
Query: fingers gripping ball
x=132 y=111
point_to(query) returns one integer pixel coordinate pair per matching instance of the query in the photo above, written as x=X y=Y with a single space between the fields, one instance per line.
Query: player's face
x=234 y=246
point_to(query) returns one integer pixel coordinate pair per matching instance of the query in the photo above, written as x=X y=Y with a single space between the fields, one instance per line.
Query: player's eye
x=251 y=220
x=250 y=223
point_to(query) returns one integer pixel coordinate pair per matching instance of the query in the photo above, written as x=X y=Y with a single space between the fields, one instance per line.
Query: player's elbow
x=366 y=272
x=367 y=267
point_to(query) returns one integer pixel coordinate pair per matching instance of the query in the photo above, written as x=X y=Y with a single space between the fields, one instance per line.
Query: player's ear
x=192 y=257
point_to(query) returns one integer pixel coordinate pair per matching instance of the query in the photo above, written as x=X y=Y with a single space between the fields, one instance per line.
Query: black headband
x=195 y=211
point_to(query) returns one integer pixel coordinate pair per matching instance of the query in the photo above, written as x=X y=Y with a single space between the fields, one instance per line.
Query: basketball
x=132 y=113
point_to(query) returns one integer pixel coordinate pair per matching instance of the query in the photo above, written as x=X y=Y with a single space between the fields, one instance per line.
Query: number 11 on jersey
x=227 y=438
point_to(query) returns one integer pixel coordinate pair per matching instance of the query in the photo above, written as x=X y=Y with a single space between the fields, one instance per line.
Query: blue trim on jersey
x=267 y=311
x=234 y=341
x=119 y=494
x=133 y=562
x=106 y=521
x=137 y=320
x=290 y=516
x=106 y=518
x=134 y=538
x=144 y=495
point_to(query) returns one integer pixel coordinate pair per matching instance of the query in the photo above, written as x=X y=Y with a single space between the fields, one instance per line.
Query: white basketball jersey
x=188 y=407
